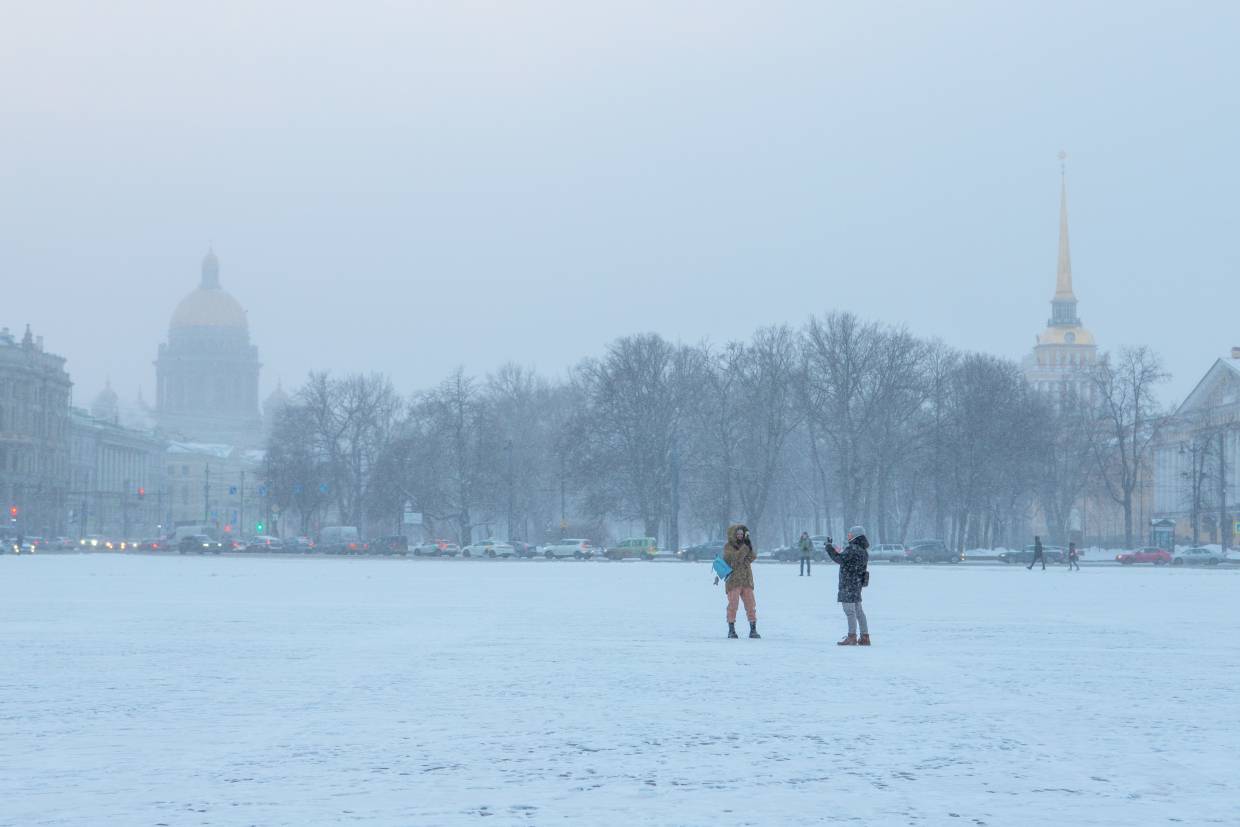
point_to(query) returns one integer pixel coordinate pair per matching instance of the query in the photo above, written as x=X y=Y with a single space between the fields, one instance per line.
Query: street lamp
x=1196 y=477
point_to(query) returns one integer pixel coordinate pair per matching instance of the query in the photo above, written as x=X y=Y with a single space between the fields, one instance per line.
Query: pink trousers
x=751 y=608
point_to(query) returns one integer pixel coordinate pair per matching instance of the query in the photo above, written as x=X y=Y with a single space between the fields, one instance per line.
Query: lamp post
x=511 y=491
x=1196 y=477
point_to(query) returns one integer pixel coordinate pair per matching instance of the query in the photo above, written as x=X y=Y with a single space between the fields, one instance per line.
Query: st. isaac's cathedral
x=206 y=374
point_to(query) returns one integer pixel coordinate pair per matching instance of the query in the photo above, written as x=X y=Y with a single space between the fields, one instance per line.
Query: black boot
x=732 y=630
x=753 y=630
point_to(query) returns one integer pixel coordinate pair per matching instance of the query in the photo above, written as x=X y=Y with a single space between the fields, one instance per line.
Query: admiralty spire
x=1065 y=352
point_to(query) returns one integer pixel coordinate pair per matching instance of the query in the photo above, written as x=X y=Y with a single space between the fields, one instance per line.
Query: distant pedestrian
x=853 y=560
x=1038 y=557
x=1073 y=557
x=739 y=555
x=807 y=554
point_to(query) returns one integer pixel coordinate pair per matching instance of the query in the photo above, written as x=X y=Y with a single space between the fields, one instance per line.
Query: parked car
x=488 y=548
x=702 y=551
x=92 y=541
x=342 y=539
x=573 y=547
x=263 y=542
x=891 y=552
x=1146 y=554
x=644 y=548
x=392 y=544
x=152 y=545
x=783 y=554
x=520 y=548
x=1052 y=554
x=930 y=551
x=303 y=545
x=199 y=544
x=1197 y=556
x=436 y=548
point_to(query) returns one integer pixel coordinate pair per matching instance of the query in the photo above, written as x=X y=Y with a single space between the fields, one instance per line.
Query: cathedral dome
x=275 y=403
x=209 y=305
x=106 y=405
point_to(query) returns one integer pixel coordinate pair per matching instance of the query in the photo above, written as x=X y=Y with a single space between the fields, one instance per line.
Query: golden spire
x=1063 y=282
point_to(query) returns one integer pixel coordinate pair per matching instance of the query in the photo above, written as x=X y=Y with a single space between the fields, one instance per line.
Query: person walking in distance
x=807 y=554
x=739 y=555
x=853 y=562
x=1073 y=557
x=1038 y=557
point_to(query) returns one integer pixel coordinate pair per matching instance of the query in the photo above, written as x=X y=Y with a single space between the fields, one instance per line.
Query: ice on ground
x=219 y=691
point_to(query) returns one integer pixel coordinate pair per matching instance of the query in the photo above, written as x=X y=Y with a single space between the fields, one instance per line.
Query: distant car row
x=917 y=551
x=345 y=540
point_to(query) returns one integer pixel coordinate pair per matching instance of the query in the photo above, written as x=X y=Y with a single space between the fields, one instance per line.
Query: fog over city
x=407 y=189
x=687 y=414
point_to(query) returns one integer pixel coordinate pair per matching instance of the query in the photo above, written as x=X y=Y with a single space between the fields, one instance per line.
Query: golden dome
x=209 y=307
x=1074 y=335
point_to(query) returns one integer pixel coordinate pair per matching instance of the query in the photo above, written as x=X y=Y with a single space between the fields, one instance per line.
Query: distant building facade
x=1196 y=459
x=116 y=475
x=34 y=436
x=206 y=374
x=216 y=485
x=1065 y=352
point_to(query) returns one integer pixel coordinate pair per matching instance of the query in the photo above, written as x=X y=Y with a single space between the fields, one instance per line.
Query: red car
x=1148 y=554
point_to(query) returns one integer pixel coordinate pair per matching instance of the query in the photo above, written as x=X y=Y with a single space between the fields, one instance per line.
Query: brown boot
x=851 y=640
x=864 y=640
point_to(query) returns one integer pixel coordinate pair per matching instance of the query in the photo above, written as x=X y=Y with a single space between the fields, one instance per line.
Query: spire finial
x=1063 y=279
x=210 y=269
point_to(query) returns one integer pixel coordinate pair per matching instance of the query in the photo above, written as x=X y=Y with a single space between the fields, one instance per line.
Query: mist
x=408 y=189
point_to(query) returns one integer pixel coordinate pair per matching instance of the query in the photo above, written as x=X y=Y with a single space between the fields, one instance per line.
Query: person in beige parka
x=739 y=555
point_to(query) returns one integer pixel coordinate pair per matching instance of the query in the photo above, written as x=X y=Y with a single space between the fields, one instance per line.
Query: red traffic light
x=141 y=491
x=13 y=512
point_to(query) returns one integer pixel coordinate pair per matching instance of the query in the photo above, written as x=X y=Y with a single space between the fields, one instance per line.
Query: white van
x=341 y=539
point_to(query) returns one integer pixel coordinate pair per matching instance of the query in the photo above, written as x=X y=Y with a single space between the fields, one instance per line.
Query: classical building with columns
x=34 y=436
x=1065 y=351
x=206 y=374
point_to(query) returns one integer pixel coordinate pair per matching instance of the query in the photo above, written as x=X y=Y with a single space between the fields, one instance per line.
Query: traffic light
x=141 y=492
x=259 y=527
x=13 y=511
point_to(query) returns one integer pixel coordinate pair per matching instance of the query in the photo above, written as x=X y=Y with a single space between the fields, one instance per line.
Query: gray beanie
x=856 y=531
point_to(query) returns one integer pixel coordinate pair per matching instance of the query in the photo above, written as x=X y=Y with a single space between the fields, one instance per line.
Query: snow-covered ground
x=143 y=691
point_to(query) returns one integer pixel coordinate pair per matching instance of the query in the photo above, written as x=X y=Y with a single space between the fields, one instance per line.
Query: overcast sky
x=409 y=187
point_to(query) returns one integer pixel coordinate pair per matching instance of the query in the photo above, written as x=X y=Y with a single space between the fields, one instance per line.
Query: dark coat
x=1037 y=549
x=853 y=561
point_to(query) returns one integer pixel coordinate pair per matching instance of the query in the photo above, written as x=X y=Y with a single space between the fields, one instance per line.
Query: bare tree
x=1064 y=432
x=627 y=435
x=1128 y=420
x=766 y=410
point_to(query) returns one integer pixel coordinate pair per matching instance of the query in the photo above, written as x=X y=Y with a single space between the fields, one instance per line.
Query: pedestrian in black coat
x=1038 y=557
x=853 y=562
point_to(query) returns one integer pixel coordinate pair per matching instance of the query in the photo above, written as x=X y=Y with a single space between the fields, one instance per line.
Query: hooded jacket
x=853 y=561
x=740 y=558
x=807 y=547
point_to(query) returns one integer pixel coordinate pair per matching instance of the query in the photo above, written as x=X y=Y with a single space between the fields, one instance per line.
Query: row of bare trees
x=842 y=421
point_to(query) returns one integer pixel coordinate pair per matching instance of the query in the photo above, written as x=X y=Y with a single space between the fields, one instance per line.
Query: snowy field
x=140 y=690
